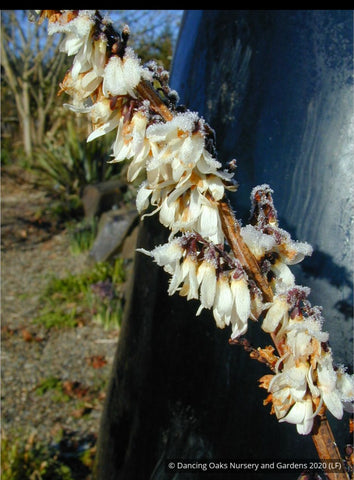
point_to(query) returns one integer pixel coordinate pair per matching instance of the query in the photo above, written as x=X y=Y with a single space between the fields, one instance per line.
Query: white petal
x=102 y=130
x=223 y=300
x=207 y=278
x=189 y=273
x=283 y=274
x=277 y=312
x=345 y=386
x=175 y=280
x=238 y=328
x=242 y=298
x=301 y=414
x=333 y=403
x=167 y=253
x=142 y=197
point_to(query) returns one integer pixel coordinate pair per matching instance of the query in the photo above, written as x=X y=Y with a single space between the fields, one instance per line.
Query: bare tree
x=32 y=66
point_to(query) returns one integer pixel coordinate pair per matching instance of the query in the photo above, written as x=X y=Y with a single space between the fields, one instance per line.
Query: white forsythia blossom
x=122 y=75
x=200 y=271
x=173 y=157
x=308 y=377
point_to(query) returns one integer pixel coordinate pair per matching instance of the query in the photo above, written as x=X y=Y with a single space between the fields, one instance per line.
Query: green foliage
x=25 y=458
x=65 y=167
x=31 y=460
x=50 y=383
x=54 y=385
x=82 y=235
x=75 y=299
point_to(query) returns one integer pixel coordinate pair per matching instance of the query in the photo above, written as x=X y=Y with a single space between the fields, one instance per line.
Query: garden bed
x=53 y=379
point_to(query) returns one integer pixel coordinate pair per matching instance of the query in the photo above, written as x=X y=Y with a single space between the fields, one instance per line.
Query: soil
x=34 y=247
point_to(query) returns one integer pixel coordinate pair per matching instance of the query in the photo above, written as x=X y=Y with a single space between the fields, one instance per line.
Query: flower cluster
x=305 y=377
x=203 y=271
x=171 y=152
x=181 y=178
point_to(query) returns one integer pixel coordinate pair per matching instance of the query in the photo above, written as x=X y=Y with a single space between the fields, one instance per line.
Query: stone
x=100 y=197
x=114 y=226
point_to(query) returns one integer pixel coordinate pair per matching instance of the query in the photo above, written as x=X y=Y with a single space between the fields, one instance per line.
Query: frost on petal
x=297 y=251
x=168 y=253
x=327 y=383
x=345 y=385
x=299 y=342
x=257 y=242
x=121 y=76
x=345 y=388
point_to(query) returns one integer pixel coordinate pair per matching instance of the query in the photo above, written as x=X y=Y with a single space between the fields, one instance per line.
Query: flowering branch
x=239 y=273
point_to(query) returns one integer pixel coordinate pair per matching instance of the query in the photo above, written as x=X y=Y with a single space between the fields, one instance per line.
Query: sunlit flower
x=223 y=301
x=167 y=255
x=122 y=75
x=207 y=280
x=277 y=314
x=301 y=414
x=241 y=306
x=258 y=242
x=345 y=388
x=304 y=337
x=327 y=383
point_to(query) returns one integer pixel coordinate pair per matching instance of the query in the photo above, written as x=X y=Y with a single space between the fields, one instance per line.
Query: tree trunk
x=275 y=85
x=26 y=119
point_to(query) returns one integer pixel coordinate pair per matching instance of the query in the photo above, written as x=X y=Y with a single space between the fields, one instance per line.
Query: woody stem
x=321 y=434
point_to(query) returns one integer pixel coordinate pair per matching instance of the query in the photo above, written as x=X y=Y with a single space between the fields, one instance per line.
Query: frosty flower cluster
x=181 y=179
x=173 y=157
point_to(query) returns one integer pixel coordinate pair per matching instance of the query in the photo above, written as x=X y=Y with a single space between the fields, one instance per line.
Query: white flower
x=207 y=280
x=167 y=255
x=76 y=27
x=121 y=76
x=301 y=414
x=104 y=119
x=345 y=388
x=223 y=301
x=259 y=243
x=242 y=306
x=284 y=278
x=290 y=251
x=130 y=142
x=304 y=337
x=278 y=313
x=327 y=383
x=189 y=278
x=288 y=387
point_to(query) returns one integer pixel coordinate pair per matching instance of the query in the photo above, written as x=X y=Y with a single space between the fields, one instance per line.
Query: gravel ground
x=80 y=358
